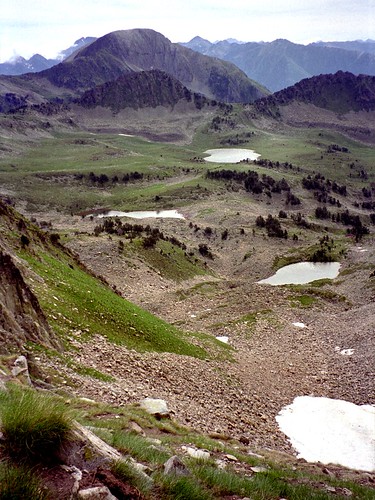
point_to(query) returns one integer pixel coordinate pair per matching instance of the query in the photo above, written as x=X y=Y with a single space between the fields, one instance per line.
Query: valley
x=270 y=361
x=111 y=310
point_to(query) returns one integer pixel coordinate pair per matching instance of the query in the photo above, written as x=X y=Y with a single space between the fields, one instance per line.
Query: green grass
x=303 y=301
x=312 y=293
x=127 y=473
x=50 y=164
x=20 y=483
x=34 y=426
x=83 y=302
x=140 y=448
x=181 y=488
x=169 y=260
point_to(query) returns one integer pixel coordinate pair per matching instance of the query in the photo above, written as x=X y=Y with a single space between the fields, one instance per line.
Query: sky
x=46 y=27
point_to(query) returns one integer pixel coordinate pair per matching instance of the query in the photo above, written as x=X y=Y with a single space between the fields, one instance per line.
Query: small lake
x=227 y=155
x=303 y=272
x=145 y=214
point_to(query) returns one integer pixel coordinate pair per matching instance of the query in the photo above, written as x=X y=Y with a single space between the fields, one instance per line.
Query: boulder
x=97 y=493
x=174 y=466
x=156 y=407
x=21 y=369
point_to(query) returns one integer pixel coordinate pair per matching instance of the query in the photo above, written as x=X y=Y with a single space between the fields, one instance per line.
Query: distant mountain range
x=275 y=65
x=141 y=68
x=20 y=65
x=279 y=64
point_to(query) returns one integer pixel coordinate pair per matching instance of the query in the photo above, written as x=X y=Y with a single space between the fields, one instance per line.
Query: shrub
x=205 y=251
x=260 y=222
x=35 y=426
x=24 y=240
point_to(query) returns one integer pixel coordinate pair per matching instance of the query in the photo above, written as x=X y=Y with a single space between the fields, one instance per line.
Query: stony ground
x=273 y=360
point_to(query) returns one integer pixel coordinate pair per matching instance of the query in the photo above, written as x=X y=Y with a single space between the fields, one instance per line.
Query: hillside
x=223 y=400
x=281 y=63
x=140 y=90
x=341 y=92
x=341 y=101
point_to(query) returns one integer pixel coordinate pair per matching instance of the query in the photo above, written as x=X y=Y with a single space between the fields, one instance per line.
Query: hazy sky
x=48 y=26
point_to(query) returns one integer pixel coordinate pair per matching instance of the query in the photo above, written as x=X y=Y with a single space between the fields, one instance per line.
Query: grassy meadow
x=46 y=172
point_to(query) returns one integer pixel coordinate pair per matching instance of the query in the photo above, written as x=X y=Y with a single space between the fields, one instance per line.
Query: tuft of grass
x=182 y=488
x=19 y=483
x=140 y=448
x=126 y=472
x=34 y=426
x=303 y=301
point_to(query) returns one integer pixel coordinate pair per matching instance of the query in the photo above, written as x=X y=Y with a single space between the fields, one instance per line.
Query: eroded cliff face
x=21 y=317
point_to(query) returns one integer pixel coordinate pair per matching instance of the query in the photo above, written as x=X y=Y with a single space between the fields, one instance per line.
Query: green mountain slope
x=63 y=297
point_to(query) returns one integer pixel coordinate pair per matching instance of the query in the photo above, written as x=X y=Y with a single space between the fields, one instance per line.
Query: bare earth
x=273 y=360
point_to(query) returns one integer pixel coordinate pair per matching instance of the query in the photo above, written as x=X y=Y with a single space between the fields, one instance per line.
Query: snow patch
x=344 y=352
x=347 y=352
x=223 y=339
x=331 y=431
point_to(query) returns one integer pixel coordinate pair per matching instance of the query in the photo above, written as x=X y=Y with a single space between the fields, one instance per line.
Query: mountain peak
x=127 y=51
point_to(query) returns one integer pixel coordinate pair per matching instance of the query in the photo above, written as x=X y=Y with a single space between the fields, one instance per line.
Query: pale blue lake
x=230 y=155
x=303 y=272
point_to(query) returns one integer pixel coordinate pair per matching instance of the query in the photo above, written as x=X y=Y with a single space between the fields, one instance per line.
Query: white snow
x=331 y=431
x=347 y=352
x=344 y=352
x=223 y=339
